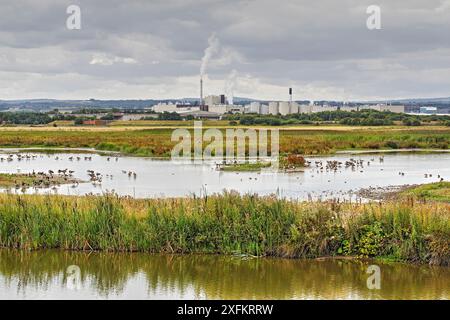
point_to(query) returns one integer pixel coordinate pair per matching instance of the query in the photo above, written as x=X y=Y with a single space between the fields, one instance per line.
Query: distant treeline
x=35 y=118
x=353 y=118
x=24 y=118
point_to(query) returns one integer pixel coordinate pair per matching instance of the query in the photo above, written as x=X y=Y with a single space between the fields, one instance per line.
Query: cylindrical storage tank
x=315 y=109
x=294 y=107
x=273 y=108
x=304 y=108
x=284 y=108
x=254 y=107
x=264 y=109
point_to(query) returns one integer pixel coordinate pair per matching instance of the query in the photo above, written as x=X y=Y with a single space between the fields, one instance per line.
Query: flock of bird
x=45 y=179
x=56 y=177
x=336 y=165
x=19 y=157
x=65 y=176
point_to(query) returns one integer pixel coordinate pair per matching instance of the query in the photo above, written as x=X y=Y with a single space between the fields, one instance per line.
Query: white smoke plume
x=230 y=85
x=212 y=49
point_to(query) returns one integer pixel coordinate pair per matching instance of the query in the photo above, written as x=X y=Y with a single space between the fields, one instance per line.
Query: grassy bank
x=157 y=141
x=227 y=224
x=439 y=191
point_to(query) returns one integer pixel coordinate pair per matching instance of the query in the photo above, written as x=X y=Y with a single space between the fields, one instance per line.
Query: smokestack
x=201 y=91
x=290 y=95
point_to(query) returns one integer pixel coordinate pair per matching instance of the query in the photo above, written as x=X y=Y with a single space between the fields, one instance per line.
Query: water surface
x=73 y=275
x=146 y=177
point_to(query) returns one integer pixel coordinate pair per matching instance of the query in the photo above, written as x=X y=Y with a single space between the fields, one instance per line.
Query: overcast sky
x=153 y=49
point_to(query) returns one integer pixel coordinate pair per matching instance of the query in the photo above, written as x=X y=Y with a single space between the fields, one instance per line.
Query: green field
x=298 y=140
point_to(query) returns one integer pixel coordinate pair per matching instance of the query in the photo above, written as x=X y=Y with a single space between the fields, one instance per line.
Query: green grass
x=228 y=224
x=439 y=191
x=245 y=167
x=8 y=180
x=157 y=142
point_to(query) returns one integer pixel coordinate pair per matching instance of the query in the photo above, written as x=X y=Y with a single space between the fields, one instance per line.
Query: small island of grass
x=37 y=180
x=287 y=163
x=293 y=163
x=245 y=167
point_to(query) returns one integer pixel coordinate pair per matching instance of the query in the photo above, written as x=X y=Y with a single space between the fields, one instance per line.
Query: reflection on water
x=44 y=275
x=144 y=177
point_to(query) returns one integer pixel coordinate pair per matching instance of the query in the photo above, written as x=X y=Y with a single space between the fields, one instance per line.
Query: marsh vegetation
x=229 y=223
x=302 y=141
x=439 y=191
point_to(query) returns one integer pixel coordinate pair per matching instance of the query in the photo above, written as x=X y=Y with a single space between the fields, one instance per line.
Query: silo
x=273 y=108
x=284 y=108
x=254 y=107
x=304 y=108
x=294 y=107
x=264 y=109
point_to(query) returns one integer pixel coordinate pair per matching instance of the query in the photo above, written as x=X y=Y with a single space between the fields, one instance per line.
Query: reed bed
x=229 y=223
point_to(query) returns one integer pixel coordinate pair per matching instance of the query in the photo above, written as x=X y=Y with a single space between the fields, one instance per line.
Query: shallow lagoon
x=166 y=178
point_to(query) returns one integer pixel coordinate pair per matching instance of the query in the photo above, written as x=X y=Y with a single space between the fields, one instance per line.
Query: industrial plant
x=214 y=106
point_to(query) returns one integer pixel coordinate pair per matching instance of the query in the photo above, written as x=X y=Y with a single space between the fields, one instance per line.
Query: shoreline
x=385 y=260
x=433 y=192
x=40 y=149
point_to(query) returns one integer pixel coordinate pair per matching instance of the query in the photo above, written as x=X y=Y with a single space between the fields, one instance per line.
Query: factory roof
x=201 y=114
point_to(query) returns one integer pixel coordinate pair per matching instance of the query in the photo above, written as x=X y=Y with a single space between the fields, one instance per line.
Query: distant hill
x=50 y=104
x=421 y=101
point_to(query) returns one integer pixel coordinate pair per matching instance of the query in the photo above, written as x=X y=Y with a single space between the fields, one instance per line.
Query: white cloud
x=444 y=6
x=108 y=60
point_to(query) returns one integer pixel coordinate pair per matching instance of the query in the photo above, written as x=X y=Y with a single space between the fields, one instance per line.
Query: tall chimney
x=201 y=91
x=290 y=95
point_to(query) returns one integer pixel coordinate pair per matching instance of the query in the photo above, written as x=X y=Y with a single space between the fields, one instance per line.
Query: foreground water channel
x=52 y=274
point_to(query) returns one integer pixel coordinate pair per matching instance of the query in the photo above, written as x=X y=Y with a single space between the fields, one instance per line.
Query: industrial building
x=137 y=116
x=428 y=110
x=391 y=108
x=218 y=104
x=274 y=108
x=284 y=108
x=173 y=107
x=201 y=115
x=254 y=107
x=225 y=108
x=213 y=100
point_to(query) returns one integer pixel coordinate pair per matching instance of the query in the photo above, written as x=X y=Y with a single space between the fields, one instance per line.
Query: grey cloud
x=322 y=45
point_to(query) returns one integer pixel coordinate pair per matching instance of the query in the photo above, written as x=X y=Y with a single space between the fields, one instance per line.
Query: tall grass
x=228 y=224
